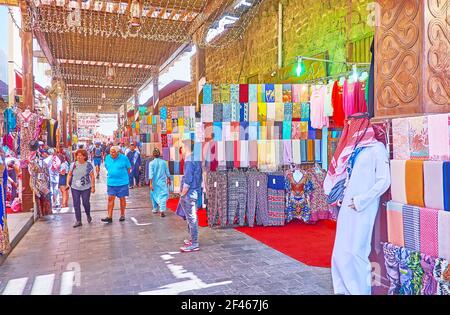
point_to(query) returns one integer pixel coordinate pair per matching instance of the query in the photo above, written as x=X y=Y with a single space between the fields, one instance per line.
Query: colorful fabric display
x=225 y=96
x=171 y=167
x=279 y=111
x=207 y=94
x=229 y=154
x=287 y=93
x=253 y=112
x=166 y=154
x=207 y=113
x=262 y=112
x=262 y=131
x=198 y=151
x=253 y=131
x=287 y=152
x=305 y=111
x=235 y=127
x=439 y=137
x=317 y=150
x=411 y=227
x=234 y=93
x=325 y=148
x=446 y=177
x=221 y=154
x=218 y=113
x=209 y=131
x=418 y=137
x=287 y=130
x=253 y=153
x=244 y=131
x=391 y=261
x=429 y=225
x=253 y=93
x=271 y=154
x=262 y=153
x=237 y=154
x=311 y=150
x=226 y=113
x=288 y=107
x=304 y=130
x=177 y=184
x=433 y=192
x=398 y=184
x=271 y=112
x=304 y=150
x=394 y=213
x=296 y=111
x=278 y=93
x=443 y=234
x=270 y=130
x=244 y=153
x=243 y=112
x=164 y=141
x=429 y=284
x=296 y=90
x=417 y=272
x=217 y=130
x=278 y=135
x=441 y=274
x=270 y=93
x=176 y=168
x=296 y=152
x=278 y=147
x=169 y=127
x=405 y=272
x=226 y=131
x=305 y=93
x=414 y=183
x=243 y=93
x=199 y=132
x=296 y=130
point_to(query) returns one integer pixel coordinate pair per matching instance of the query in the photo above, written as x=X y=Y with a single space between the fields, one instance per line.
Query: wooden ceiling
x=81 y=54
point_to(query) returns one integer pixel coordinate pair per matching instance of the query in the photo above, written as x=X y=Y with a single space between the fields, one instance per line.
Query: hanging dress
x=29 y=131
x=318 y=202
x=4 y=237
x=298 y=197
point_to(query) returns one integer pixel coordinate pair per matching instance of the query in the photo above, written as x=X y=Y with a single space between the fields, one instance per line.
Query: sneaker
x=190 y=248
x=78 y=224
x=163 y=214
x=89 y=219
x=122 y=218
x=107 y=220
x=187 y=242
x=155 y=212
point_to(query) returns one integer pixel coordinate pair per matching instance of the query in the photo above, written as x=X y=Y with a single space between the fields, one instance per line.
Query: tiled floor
x=140 y=256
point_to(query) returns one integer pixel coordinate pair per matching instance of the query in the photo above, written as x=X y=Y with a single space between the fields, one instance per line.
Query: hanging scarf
x=56 y=163
x=417 y=273
x=391 y=260
x=357 y=133
x=429 y=284
x=405 y=272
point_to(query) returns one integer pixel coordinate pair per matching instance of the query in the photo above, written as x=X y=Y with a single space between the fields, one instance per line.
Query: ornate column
x=412 y=48
x=64 y=121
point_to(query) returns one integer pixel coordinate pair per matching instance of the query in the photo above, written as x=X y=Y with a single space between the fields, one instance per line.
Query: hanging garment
x=328 y=104
x=296 y=152
x=418 y=138
x=443 y=234
x=324 y=149
x=288 y=108
x=394 y=213
x=237 y=198
x=244 y=153
x=234 y=93
x=271 y=111
x=298 y=196
x=207 y=94
x=405 y=273
x=207 y=113
x=287 y=93
x=411 y=227
x=244 y=112
x=391 y=261
x=441 y=273
x=235 y=112
x=349 y=98
x=429 y=226
x=433 y=191
x=226 y=112
x=414 y=183
x=253 y=93
x=257 y=199
x=253 y=112
x=10 y=120
x=29 y=131
x=417 y=273
x=350 y=260
x=287 y=152
x=318 y=199
x=429 y=283
x=439 y=137
x=318 y=118
x=216 y=194
x=276 y=200
x=296 y=111
x=360 y=96
x=243 y=93
x=218 y=113
x=305 y=111
x=253 y=153
x=337 y=99
x=270 y=93
x=398 y=181
x=446 y=186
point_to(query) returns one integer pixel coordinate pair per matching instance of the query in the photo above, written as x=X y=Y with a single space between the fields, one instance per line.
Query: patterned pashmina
x=225 y=96
x=429 y=284
x=417 y=273
x=226 y=113
x=429 y=239
x=296 y=133
x=287 y=93
x=296 y=90
x=207 y=94
x=296 y=111
x=391 y=260
x=411 y=227
x=441 y=273
x=278 y=93
x=418 y=137
x=235 y=112
x=218 y=113
x=305 y=111
x=244 y=115
x=406 y=273
x=207 y=113
x=288 y=107
x=270 y=93
x=234 y=93
x=253 y=93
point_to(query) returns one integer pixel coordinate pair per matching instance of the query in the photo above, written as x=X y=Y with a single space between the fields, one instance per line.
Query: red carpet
x=172 y=204
x=310 y=244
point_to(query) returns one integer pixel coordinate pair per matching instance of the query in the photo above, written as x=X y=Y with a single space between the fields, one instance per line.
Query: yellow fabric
x=262 y=112
x=261 y=97
x=262 y=131
x=262 y=153
x=278 y=93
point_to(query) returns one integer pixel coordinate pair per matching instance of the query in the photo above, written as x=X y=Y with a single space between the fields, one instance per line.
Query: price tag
x=274 y=181
x=215 y=184
x=25 y=125
x=237 y=184
x=257 y=184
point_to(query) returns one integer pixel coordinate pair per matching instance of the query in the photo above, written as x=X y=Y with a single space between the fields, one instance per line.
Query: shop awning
x=19 y=80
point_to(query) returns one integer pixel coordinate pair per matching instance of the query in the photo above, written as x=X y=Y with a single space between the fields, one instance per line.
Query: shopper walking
x=98 y=154
x=159 y=176
x=63 y=173
x=191 y=190
x=118 y=167
x=81 y=180
x=135 y=160
x=53 y=163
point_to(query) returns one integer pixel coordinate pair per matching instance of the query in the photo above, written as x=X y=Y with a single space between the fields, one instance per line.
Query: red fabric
x=337 y=99
x=307 y=243
x=360 y=97
x=237 y=154
x=172 y=204
x=243 y=93
x=164 y=141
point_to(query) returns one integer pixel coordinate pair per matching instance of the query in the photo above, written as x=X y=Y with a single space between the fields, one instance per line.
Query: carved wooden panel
x=437 y=56
x=398 y=53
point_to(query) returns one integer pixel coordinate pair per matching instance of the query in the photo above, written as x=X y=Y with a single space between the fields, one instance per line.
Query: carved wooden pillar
x=64 y=122
x=69 y=117
x=412 y=58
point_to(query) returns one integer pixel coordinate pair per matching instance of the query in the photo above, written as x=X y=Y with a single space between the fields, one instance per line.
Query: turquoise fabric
x=158 y=173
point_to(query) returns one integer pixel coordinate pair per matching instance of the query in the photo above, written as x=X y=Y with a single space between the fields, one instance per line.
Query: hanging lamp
x=136 y=13
x=110 y=72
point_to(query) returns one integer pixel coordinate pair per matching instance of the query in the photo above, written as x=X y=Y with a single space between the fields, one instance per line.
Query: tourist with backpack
x=81 y=180
x=98 y=154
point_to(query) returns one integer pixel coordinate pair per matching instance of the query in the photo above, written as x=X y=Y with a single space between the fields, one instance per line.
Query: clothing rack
x=334 y=76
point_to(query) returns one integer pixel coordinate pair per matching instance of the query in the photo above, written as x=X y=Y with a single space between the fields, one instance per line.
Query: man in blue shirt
x=97 y=154
x=191 y=189
x=118 y=167
x=135 y=160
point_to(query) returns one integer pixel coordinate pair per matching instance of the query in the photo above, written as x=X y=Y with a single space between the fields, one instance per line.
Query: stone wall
x=311 y=27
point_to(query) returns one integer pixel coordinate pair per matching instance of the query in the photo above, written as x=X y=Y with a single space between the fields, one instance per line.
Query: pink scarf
x=357 y=133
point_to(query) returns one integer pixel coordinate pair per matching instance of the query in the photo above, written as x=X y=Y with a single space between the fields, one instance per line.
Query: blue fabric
x=159 y=173
x=244 y=131
x=135 y=160
x=97 y=161
x=226 y=112
x=446 y=170
x=119 y=191
x=198 y=151
x=207 y=94
x=253 y=131
x=287 y=130
x=192 y=175
x=117 y=170
x=10 y=120
x=176 y=168
x=276 y=182
x=217 y=130
x=303 y=150
x=317 y=148
x=253 y=93
x=270 y=93
x=325 y=148
x=242 y=113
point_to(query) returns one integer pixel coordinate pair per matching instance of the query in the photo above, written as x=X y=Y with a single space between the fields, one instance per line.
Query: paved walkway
x=140 y=256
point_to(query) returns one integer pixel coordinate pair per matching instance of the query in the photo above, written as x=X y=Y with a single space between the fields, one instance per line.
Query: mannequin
x=362 y=163
x=29 y=124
